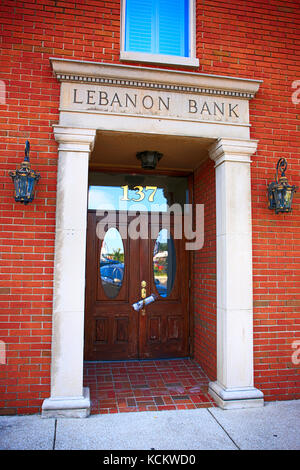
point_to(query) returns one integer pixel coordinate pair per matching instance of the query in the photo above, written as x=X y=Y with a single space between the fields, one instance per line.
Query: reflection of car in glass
x=161 y=288
x=111 y=276
x=108 y=262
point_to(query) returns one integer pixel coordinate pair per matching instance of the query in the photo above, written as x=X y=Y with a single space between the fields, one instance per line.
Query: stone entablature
x=128 y=91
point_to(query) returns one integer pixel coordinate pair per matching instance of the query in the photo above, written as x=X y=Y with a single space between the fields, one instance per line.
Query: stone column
x=234 y=386
x=68 y=397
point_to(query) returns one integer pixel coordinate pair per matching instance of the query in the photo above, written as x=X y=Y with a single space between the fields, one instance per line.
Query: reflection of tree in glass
x=163 y=246
x=116 y=255
x=160 y=263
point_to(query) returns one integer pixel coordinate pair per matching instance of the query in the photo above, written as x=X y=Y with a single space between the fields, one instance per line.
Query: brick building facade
x=253 y=40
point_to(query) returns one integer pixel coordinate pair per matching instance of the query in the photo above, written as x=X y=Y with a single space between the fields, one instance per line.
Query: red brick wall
x=204 y=272
x=260 y=39
x=255 y=39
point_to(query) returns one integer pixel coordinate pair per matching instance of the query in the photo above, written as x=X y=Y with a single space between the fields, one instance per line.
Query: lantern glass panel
x=288 y=198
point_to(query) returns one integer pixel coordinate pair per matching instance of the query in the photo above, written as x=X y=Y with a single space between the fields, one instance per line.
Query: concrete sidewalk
x=274 y=426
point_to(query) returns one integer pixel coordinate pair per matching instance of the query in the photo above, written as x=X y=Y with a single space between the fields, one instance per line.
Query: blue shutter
x=157 y=26
x=173 y=27
x=138 y=26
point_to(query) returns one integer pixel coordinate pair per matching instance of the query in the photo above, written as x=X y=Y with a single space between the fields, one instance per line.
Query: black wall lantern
x=149 y=159
x=24 y=179
x=280 y=193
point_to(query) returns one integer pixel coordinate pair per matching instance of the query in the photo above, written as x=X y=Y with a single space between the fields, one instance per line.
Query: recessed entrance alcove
x=124 y=385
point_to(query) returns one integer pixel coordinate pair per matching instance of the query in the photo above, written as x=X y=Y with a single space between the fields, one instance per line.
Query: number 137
x=139 y=191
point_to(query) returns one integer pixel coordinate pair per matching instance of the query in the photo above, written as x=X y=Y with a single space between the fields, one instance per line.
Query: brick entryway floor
x=175 y=384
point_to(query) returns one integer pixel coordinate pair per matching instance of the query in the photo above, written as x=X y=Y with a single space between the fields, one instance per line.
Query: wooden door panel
x=111 y=324
x=165 y=327
x=174 y=328
x=101 y=330
x=121 y=329
x=154 y=329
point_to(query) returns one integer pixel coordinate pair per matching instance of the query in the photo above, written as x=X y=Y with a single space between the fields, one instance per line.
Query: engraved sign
x=181 y=105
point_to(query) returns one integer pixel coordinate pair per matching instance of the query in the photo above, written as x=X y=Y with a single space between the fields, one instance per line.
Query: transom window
x=159 y=31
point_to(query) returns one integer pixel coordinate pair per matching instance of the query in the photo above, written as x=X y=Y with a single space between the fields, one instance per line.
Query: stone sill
x=159 y=59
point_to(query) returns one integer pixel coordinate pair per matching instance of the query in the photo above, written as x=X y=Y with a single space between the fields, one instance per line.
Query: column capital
x=232 y=150
x=74 y=139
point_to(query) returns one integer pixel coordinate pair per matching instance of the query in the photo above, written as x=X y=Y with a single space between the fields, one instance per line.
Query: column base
x=231 y=398
x=67 y=407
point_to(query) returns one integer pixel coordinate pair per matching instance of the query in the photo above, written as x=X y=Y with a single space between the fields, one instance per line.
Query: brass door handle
x=143 y=296
x=143 y=289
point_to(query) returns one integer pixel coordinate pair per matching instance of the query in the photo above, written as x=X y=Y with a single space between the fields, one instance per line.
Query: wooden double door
x=118 y=267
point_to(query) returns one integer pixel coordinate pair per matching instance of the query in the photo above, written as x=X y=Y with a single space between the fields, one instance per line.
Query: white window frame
x=190 y=61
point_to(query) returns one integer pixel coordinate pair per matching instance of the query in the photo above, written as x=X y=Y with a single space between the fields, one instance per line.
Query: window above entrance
x=159 y=31
x=143 y=193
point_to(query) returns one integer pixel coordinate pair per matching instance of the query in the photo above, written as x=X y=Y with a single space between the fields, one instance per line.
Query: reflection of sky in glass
x=163 y=236
x=109 y=198
x=112 y=242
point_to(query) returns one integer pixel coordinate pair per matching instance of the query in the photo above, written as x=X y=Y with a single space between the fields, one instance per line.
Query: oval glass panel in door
x=164 y=263
x=112 y=263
